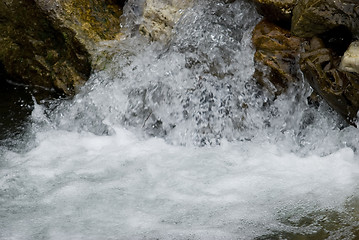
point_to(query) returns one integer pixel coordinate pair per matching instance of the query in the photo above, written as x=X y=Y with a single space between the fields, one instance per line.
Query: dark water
x=16 y=105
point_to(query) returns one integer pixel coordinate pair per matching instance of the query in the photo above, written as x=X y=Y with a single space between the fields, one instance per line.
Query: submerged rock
x=279 y=11
x=50 y=43
x=338 y=88
x=350 y=60
x=160 y=16
x=313 y=17
x=277 y=49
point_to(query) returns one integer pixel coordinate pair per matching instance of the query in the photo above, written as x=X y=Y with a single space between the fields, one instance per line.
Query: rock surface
x=278 y=11
x=49 y=43
x=160 y=16
x=331 y=25
x=313 y=17
x=277 y=49
x=340 y=89
x=350 y=60
x=91 y=21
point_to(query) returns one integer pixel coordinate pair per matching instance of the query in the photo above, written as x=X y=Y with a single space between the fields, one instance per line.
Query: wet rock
x=160 y=16
x=278 y=11
x=313 y=17
x=49 y=44
x=91 y=21
x=338 y=88
x=350 y=60
x=278 y=50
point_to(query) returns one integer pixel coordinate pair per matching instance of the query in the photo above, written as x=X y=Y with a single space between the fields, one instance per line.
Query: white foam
x=121 y=160
x=86 y=186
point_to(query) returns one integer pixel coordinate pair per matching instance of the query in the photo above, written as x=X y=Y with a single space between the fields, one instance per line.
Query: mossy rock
x=313 y=17
x=49 y=44
x=91 y=21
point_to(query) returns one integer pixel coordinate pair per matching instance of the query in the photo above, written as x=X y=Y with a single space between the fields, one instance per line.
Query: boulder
x=350 y=60
x=91 y=21
x=160 y=16
x=313 y=17
x=49 y=44
x=338 y=88
x=278 y=50
x=278 y=11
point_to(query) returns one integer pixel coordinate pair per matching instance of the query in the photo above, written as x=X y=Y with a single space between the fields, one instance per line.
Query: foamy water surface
x=176 y=141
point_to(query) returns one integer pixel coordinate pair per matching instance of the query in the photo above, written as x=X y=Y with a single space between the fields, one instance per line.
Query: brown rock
x=313 y=17
x=91 y=21
x=338 y=88
x=278 y=11
x=50 y=43
x=277 y=49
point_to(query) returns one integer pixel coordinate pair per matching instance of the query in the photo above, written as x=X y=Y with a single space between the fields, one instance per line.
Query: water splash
x=122 y=159
x=198 y=89
x=194 y=90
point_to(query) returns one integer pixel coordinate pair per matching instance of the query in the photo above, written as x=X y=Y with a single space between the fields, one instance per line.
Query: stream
x=177 y=141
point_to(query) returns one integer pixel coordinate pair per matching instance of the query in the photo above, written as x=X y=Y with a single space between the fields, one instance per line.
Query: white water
x=177 y=142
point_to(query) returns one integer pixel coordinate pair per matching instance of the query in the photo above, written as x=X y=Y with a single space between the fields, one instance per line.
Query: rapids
x=176 y=141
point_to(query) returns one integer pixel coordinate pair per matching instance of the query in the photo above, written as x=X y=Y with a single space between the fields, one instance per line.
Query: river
x=177 y=141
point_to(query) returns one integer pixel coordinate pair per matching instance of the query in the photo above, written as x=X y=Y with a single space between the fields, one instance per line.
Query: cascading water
x=176 y=141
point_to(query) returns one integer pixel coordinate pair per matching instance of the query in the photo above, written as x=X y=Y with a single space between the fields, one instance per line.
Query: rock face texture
x=49 y=43
x=350 y=60
x=276 y=10
x=321 y=31
x=91 y=21
x=160 y=16
x=313 y=17
x=277 y=49
x=339 y=88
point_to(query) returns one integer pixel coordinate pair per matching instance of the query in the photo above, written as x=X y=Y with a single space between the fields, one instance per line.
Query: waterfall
x=176 y=140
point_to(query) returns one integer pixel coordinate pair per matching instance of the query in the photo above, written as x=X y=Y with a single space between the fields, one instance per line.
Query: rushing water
x=176 y=141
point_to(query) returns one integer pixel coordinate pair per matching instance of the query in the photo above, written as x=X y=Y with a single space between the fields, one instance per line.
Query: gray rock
x=160 y=16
